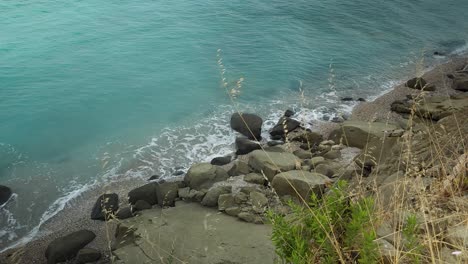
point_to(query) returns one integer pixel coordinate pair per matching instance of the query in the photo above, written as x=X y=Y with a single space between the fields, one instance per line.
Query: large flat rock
x=272 y=163
x=191 y=233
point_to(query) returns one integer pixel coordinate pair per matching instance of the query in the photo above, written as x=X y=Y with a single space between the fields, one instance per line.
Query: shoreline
x=376 y=110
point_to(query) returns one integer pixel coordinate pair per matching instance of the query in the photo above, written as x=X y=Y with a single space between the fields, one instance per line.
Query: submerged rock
x=5 y=194
x=249 y=125
x=67 y=247
x=106 y=205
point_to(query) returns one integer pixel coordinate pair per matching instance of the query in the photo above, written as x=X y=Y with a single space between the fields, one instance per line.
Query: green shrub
x=331 y=229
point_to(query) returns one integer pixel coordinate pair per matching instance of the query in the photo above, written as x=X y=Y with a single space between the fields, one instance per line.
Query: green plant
x=333 y=228
x=412 y=243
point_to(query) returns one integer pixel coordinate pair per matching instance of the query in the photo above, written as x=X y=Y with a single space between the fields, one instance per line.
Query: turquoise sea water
x=93 y=90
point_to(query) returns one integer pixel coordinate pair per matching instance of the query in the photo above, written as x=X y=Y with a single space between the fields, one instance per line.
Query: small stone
x=220 y=161
x=275 y=143
x=211 y=197
x=315 y=161
x=303 y=154
x=324 y=169
x=250 y=218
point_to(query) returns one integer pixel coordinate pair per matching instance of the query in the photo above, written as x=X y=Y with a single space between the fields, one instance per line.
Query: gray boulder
x=106 y=205
x=146 y=193
x=204 y=175
x=332 y=154
x=272 y=163
x=245 y=146
x=308 y=137
x=239 y=168
x=226 y=201
x=359 y=133
x=287 y=183
x=65 y=248
x=212 y=196
x=259 y=202
x=249 y=125
x=166 y=193
x=303 y=154
x=254 y=178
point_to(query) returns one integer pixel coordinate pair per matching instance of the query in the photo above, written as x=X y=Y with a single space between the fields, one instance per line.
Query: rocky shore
x=215 y=212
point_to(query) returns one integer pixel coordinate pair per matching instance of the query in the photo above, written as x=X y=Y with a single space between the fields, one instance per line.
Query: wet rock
x=178 y=173
x=204 y=175
x=212 y=196
x=5 y=194
x=220 y=161
x=141 y=205
x=272 y=162
x=87 y=255
x=67 y=247
x=347 y=99
x=245 y=146
x=360 y=99
x=255 y=178
x=167 y=193
x=275 y=143
x=154 y=177
x=287 y=183
x=124 y=213
x=284 y=126
x=249 y=125
x=146 y=193
x=289 y=113
x=239 y=168
x=106 y=205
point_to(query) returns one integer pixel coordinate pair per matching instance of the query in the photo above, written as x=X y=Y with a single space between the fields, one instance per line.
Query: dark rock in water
x=220 y=161
x=437 y=53
x=245 y=146
x=146 y=193
x=5 y=194
x=67 y=247
x=275 y=143
x=284 y=126
x=277 y=137
x=326 y=118
x=106 y=205
x=360 y=99
x=87 y=255
x=154 y=177
x=167 y=193
x=289 y=113
x=337 y=119
x=420 y=84
x=178 y=173
x=124 y=213
x=347 y=99
x=141 y=205
x=249 y=125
